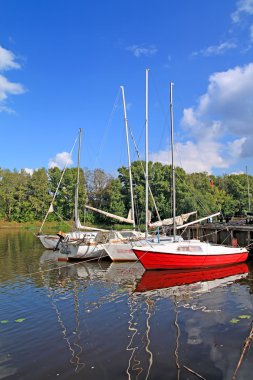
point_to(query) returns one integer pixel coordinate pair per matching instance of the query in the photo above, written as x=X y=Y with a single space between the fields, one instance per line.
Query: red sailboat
x=188 y=254
x=185 y=254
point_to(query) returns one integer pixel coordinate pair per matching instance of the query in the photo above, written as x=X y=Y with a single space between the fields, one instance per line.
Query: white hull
x=52 y=241
x=90 y=251
x=124 y=251
x=120 y=251
x=49 y=241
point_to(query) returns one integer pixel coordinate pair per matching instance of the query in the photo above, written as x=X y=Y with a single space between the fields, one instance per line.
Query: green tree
x=39 y=196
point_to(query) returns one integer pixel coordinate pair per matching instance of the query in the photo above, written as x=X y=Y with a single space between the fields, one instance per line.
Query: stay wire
x=114 y=108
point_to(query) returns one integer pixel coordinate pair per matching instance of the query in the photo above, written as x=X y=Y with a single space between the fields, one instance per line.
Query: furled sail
x=79 y=226
x=199 y=220
x=109 y=215
x=180 y=220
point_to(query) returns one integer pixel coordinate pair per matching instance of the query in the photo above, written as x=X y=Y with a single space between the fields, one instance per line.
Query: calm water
x=115 y=321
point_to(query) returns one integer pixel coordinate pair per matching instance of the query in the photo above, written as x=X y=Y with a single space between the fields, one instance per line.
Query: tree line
x=26 y=197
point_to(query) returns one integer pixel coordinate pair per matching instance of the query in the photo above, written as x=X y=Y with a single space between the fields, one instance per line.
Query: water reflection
x=180 y=283
x=108 y=320
x=196 y=328
x=201 y=305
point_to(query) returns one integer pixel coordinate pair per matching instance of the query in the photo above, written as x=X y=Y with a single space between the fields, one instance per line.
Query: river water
x=116 y=321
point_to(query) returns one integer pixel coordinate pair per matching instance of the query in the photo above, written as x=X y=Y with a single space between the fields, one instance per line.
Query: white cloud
x=9 y=88
x=219 y=128
x=243 y=7
x=237 y=173
x=220 y=49
x=251 y=33
x=199 y=156
x=235 y=147
x=7 y=60
x=141 y=50
x=228 y=99
x=29 y=171
x=60 y=160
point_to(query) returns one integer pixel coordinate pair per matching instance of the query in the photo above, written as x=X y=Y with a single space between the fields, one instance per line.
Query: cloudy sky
x=62 y=64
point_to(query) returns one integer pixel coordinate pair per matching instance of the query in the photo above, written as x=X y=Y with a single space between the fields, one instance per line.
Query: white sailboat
x=54 y=241
x=121 y=250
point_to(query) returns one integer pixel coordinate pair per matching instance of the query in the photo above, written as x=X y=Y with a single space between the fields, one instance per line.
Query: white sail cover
x=109 y=215
x=198 y=220
x=51 y=208
x=180 y=220
x=79 y=226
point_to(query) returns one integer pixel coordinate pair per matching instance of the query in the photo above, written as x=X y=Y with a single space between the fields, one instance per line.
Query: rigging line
x=211 y=233
x=193 y=192
x=138 y=155
x=154 y=84
x=141 y=132
x=52 y=269
x=115 y=106
x=63 y=172
x=165 y=113
x=65 y=220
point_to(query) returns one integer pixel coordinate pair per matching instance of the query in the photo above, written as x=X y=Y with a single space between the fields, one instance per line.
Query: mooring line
x=57 y=268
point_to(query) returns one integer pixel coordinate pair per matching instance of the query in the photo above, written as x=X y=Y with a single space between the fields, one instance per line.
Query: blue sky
x=62 y=64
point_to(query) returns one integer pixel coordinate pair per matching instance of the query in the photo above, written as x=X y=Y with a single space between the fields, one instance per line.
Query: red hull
x=155 y=260
x=165 y=279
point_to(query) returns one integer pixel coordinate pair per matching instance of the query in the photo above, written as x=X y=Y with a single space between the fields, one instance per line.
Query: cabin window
x=189 y=248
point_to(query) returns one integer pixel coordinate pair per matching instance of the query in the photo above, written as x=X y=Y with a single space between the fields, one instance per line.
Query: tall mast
x=78 y=178
x=129 y=159
x=172 y=162
x=249 y=206
x=146 y=157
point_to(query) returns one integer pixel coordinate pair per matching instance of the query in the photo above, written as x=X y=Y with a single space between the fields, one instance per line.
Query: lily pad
x=244 y=316
x=20 y=320
x=4 y=321
x=234 y=321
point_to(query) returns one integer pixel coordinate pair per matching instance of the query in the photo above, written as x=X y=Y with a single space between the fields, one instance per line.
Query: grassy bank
x=63 y=226
x=56 y=226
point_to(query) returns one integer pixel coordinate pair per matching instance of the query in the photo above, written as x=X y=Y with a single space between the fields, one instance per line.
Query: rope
x=57 y=268
x=63 y=172
x=115 y=106
x=139 y=158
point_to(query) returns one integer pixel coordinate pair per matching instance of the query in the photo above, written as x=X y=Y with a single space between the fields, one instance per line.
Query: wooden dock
x=232 y=233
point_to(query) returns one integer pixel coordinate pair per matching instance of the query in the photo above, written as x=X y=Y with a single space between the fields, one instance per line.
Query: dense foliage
x=25 y=197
